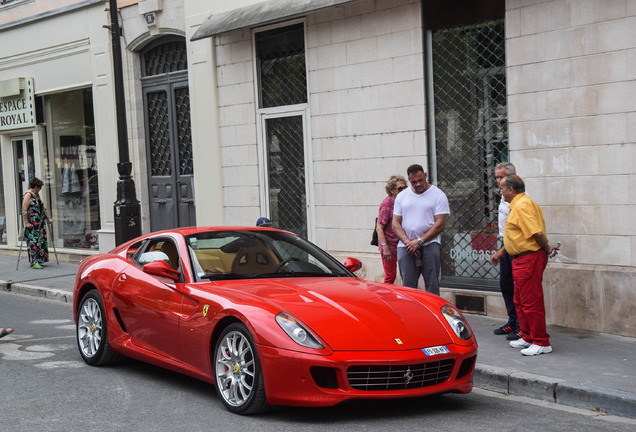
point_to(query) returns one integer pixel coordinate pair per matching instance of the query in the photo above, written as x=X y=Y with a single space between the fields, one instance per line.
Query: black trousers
x=507 y=287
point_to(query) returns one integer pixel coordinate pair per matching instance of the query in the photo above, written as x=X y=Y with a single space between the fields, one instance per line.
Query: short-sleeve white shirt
x=418 y=211
x=504 y=210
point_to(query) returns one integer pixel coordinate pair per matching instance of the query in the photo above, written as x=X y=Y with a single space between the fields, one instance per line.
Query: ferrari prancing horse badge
x=205 y=310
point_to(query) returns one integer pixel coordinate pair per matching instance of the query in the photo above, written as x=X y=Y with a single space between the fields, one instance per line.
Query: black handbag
x=374 y=237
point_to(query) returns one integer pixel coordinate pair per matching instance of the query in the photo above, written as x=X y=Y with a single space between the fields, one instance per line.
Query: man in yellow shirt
x=525 y=240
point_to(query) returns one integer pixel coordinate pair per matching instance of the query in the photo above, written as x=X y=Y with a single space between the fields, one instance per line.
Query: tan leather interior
x=171 y=250
x=254 y=259
x=214 y=260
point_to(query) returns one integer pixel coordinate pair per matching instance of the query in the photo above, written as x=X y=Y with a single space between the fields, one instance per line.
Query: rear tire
x=92 y=332
x=238 y=373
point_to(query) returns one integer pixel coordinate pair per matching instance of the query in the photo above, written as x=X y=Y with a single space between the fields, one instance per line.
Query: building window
x=71 y=168
x=282 y=114
x=167 y=57
x=281 y=68
x=470 y=136
x=10 y=4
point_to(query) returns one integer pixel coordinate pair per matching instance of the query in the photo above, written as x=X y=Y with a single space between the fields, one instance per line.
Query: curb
x=35 y=291
x=555 y=390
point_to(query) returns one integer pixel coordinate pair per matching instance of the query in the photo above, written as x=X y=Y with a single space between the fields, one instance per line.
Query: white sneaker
x=520 y=343
x=536 y=350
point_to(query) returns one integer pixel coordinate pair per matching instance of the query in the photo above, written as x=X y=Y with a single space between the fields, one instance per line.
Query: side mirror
x=162 y=269
x=352 y=264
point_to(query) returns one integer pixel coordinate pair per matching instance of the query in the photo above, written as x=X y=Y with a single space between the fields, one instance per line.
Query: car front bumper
x=289 y=381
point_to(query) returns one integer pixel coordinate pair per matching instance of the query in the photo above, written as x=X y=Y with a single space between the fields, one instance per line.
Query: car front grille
x=399 y=377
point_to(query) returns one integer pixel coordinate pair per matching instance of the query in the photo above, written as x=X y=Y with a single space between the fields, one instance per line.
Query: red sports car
x=268 y=317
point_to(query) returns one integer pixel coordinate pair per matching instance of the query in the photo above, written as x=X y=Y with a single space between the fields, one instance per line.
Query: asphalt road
x=47 y=387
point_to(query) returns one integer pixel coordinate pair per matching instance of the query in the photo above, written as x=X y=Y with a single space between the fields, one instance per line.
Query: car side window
x=160 y=250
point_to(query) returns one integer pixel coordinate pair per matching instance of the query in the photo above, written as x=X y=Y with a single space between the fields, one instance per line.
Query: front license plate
x=435 y=350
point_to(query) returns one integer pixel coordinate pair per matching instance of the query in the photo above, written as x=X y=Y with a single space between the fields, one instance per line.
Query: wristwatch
x=420 y=242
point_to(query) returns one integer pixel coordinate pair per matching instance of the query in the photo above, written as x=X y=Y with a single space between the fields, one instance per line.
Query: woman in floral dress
x=35 y=216
x=386 y=237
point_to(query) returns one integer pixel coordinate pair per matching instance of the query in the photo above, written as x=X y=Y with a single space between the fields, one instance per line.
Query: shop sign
x=17 y=104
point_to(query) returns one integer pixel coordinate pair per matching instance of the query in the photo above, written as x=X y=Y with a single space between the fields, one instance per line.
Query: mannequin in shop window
x=35 y=216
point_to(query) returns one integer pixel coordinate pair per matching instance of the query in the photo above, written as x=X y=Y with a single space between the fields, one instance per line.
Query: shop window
x=3 y=212
x=470 y=136
x=71 y=168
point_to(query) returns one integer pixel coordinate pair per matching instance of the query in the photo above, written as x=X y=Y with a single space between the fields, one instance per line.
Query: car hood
x=352 y=314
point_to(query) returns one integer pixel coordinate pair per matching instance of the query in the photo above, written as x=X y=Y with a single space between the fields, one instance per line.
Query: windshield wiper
x=227 y=275
x=293 y=273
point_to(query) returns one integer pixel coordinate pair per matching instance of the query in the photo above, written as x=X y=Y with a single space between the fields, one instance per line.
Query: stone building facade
x=454 y=86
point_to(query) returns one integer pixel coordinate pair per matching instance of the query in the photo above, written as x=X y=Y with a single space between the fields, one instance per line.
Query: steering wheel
x=282 y=263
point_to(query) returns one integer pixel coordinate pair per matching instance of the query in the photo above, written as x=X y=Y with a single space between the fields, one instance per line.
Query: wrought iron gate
x=470 y=138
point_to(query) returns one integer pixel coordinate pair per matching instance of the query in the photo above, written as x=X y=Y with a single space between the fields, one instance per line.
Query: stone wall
x=572 y=102
x=572 y=113
x=237 y=119
x=366 y=100
x=367 y=112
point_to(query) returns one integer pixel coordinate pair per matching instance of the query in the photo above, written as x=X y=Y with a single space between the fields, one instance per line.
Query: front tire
x=237 y=372
x=92 y=332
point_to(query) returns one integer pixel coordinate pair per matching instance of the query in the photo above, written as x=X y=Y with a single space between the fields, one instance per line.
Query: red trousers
x=527 y=273
x=390 y=269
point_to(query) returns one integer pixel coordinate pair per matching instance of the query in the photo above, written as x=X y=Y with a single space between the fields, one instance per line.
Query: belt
x=522 y=254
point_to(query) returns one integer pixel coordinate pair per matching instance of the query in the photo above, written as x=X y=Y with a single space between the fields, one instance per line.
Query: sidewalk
x=586 y=369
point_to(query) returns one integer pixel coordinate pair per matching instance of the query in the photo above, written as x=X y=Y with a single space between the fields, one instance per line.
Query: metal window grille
x=184 y=132
x=471 y=137
x=281 y=66
x=159 y=130
x=286 y=174
x=164 y=58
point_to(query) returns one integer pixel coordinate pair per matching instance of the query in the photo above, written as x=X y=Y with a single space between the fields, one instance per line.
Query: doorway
x=285 y=155
x=168 y=134
x=24 y=169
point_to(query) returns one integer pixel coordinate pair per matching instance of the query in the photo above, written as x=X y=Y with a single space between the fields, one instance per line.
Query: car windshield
x=222 y=255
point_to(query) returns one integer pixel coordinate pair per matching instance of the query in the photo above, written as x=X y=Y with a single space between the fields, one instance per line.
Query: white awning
x=259 y=14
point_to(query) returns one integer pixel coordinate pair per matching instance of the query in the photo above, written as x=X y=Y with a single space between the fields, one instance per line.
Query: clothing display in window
x=70 y=180
x=72 y=212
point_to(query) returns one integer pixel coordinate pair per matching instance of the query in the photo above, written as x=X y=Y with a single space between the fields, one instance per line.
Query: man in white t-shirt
x=419 y=217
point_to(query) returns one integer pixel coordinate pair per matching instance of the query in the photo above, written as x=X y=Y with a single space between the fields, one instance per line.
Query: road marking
x=60 y=365
x=37 y=340
x=51 y=321
x=12 y=352
x=54 y=347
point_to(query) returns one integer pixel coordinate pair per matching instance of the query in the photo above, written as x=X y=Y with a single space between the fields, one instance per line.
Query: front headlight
x=297 y=332
x=456 y=321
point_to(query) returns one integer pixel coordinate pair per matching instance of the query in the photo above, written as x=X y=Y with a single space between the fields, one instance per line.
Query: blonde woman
x=386 y=238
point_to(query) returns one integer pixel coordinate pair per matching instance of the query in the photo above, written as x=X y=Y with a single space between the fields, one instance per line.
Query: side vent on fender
x=119 y=320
